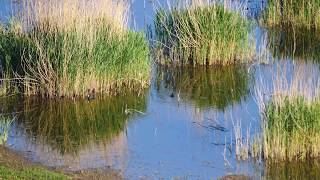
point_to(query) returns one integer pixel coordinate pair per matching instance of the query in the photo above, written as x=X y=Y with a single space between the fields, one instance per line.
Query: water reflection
x=66 y=133
x=68 y=126
x=217 y=87
x=292 y=170
x=295 y=42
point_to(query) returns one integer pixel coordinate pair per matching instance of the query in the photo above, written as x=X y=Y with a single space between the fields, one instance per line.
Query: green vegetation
x=294 y=42
x=290 y=110
x=68 y=126
x=216 y=87
x=5 y=123
x=202 y=35
x=68 y=48
x=292 y=129
x=296 y=12
x=29 y=173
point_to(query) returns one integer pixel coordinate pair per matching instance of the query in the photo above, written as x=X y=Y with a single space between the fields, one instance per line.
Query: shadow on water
x=293 y=170
x=217 y=87
x=294 y=42
x=68 y=126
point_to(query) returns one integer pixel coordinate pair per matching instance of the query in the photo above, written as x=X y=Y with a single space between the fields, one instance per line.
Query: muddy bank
x=14 y=161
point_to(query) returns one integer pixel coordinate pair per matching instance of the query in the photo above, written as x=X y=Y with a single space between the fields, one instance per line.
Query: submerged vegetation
x=293 y=12
x=216 y=87
x=202 y=34
x=68 y=48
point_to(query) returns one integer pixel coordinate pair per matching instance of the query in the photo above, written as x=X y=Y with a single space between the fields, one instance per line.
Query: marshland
x=167 y=89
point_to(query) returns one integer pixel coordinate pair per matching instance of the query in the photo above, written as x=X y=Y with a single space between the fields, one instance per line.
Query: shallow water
x=5 y=9
x=182 y=127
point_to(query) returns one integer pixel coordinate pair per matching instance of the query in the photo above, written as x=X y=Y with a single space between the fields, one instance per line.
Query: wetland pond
x=182 y=127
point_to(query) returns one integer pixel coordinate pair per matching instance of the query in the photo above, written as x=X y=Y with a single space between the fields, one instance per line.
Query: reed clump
x=201 y=33
x=291 y=116
x=67 y=48
x=297 y=12
x=292 y=129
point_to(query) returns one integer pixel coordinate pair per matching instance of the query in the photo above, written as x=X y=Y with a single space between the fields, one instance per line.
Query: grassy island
x=202 y=35
x=72 y=48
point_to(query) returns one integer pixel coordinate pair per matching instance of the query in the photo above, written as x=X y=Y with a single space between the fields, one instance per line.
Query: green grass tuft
x=68 y=52
x=202 y=35
x=295 y=12
x=60 y=65
x=292 y=129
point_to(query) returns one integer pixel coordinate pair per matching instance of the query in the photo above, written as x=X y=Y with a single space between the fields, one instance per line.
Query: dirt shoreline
x=15 y=161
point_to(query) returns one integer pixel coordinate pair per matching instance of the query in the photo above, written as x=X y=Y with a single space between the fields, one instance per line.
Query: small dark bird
x=91 y=94
x=172 y=95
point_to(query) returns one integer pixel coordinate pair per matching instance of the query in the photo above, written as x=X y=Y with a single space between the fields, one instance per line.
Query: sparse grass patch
x=29 y=173
x=67 y=48
x=202 y=34
x=295 y=12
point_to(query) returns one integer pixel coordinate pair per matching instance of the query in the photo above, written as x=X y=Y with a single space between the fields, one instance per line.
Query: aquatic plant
x=201 y=34
x=246 y=145
x=297 y=12
x=67 y=48
x=290 y=112
x=292 y=130
x=5 y=123
x=217 y=87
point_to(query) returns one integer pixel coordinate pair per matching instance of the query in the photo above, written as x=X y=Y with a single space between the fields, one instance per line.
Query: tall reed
x=201 y=33
x=67 y=48
x=5 y=123
x=296 y=12
x=290 y=111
